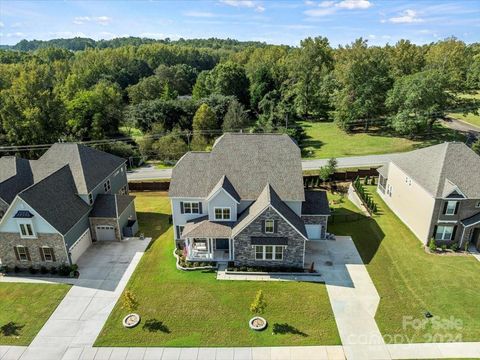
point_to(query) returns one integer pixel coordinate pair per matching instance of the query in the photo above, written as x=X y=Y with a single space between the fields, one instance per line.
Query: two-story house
x=435 y=191
x=52 y=208
x=245 y=202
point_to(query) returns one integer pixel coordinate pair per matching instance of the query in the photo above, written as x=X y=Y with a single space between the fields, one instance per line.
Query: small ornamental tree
x=258 y=305
x=130 y=301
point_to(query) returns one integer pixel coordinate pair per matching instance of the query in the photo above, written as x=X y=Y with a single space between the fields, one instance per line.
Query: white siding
x=181 y=219
x=296 y=206
x=222 y=199
x=409 y=201
x=9 y=223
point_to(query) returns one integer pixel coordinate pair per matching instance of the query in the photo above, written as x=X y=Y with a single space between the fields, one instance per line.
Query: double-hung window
x=444 y=232
x=47 y=254
x=191 y=208
x=22 y=253
x=268 y=252
x=269 y=226
x=451 y=208
x=222 y=213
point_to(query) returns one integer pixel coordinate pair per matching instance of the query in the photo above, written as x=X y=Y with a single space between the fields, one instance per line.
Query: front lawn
x=194 y=309
x=411 y=282
x=24 y=309
x=326 y=140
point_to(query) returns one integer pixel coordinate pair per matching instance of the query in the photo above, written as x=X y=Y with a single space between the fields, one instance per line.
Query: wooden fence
x=308 y=180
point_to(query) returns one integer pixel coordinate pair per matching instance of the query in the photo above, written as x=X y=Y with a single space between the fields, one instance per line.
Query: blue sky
x=278 y=22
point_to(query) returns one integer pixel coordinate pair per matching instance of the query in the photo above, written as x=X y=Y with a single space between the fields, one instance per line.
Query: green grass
x=161 y=166
x=133 y=132
x=24 y=309
x=471 y=118
x=326 y=140
x=411 y=281
x=194 y=309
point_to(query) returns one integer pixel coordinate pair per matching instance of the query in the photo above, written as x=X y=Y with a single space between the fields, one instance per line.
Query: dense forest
x=179 y=95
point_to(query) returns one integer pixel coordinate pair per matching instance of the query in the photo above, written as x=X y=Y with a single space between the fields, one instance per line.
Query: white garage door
x=79 y=247
x=314 y=232
x=105 y=233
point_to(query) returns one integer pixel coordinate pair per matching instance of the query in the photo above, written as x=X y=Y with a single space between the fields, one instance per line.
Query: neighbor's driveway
x=105 y=269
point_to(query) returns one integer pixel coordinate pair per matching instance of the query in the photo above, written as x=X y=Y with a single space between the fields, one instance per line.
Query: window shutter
x=200 y=208
x=275 y=226
x=16 y=253
x=42 y=255
x=28 y=254
x=181 y=207
x=454 y=232
x=178 y=232
x=435 y=231
x=53 y=254
x=445 y=207
x=263 y=226
x=457 y=206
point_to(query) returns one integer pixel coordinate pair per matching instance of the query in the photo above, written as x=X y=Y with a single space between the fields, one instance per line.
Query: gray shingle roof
x=249 y=161
x=267 y=198
x=55 y=199
x=471 y=220
x=110 y=206
x=15 y=176
x=316 y=203
x=202 y=227
x=383 y=170
x=226 y=185
x=435 y=166
x=89 y=166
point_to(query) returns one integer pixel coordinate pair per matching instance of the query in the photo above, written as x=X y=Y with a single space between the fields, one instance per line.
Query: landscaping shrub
x=32 y=270
x=43 y=270
x=367 y=200
x=53 y=270
x=259 y=304
x=64 y=270
x=431 y=245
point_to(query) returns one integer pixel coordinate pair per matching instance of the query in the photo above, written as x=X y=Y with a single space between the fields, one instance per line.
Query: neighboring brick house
x=245 y=202
x=435 y=191
x=52 y=208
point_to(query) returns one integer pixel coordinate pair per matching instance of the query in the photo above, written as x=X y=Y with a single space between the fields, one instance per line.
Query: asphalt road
x=150 y=173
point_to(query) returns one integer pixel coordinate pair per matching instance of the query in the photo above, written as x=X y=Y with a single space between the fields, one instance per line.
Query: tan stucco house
x=435 y=191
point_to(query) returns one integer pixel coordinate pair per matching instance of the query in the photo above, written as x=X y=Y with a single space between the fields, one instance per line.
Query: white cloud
x=15 y=35
x=354 y=4
x=310 y=3
x=2 y=24
x=244 y=3
x=102 y=20
x=201 y=14
x=329 y=7
x=406 y=17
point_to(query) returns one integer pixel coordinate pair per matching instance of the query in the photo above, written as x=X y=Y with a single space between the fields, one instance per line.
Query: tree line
x=62 y=90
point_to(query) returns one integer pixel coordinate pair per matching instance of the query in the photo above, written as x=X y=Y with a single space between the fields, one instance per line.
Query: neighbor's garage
x=314 y=232
x=79 y=247
x=105 y=233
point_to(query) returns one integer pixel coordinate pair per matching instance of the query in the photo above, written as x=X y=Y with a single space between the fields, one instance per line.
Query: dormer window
x=222 y=213
x=107 y=186
x=90 y=198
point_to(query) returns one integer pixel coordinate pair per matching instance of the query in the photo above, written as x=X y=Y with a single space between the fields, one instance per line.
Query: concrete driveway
x=105 y=269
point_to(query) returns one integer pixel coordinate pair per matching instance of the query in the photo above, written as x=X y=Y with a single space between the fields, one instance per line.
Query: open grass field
x=326 y=140
x=194 y=309
x=24 y=309
x=411 y=282
x=471 y=118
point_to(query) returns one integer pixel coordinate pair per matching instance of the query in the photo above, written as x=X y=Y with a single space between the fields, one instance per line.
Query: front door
x=222 y=244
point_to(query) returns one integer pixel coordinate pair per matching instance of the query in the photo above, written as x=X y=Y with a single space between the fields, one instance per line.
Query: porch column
x=230 y=249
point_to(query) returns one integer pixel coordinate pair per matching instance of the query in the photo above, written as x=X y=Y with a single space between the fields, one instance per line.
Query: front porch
x=209 y=249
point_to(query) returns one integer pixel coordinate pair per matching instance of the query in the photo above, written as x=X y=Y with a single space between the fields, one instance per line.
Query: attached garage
x=79 y=247
x=105 y=233
x=314 y=232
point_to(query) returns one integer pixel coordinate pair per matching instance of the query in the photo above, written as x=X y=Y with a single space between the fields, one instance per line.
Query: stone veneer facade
x=293 y=254
x=55 y=241
x=104 y=221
